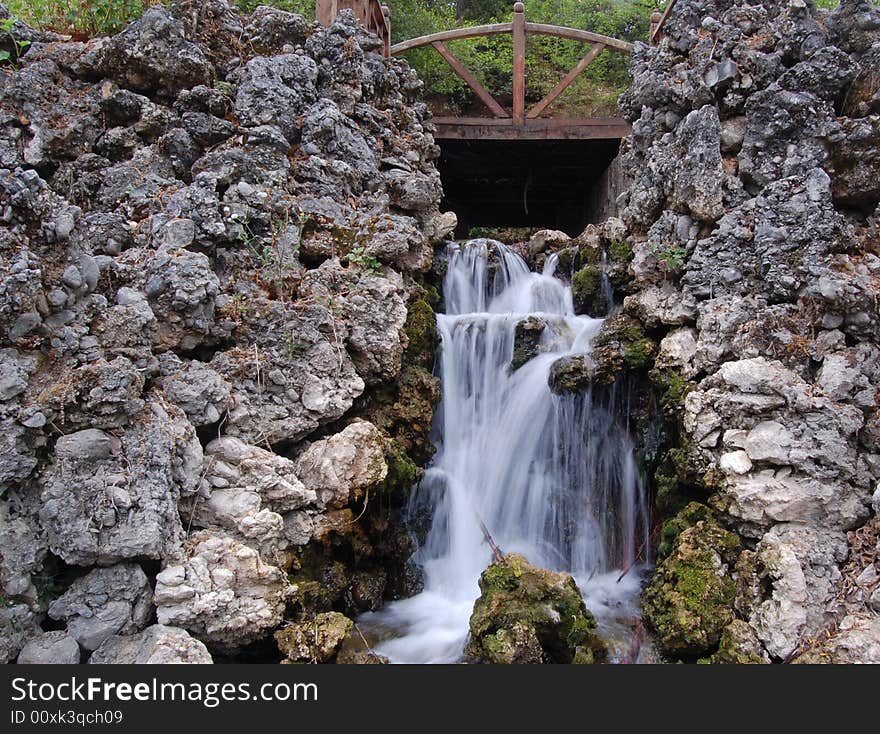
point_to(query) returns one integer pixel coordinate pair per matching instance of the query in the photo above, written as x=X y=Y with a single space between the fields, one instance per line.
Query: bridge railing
x=520 y=29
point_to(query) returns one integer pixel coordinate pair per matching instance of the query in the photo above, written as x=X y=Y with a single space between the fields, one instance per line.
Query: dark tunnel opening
x=555 y=184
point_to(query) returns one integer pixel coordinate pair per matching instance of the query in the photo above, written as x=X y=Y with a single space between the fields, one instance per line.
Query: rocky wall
x=215 y=231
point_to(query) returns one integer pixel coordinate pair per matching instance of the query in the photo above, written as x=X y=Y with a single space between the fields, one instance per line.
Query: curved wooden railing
x=520 y=29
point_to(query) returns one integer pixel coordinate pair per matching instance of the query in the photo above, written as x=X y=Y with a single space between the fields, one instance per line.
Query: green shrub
x=87 y=18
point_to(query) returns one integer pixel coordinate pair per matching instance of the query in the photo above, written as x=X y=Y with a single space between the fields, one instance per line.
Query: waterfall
x=551 y=476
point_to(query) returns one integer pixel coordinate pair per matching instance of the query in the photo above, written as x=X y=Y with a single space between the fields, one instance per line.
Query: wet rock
x=528 y=614
x=571 y=374
x=105 y=602
x=50 y=648
x=157 y=645
x=527 y=341
x=547 y=239
x=314 y=641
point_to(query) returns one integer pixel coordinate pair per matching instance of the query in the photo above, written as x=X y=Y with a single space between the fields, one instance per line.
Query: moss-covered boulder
x=526 y=341
x=527 y=614
x=315 y=640
x=738 y=646
x=690 y=599
x=621 y=344
x=570 y=374
x=588 y=292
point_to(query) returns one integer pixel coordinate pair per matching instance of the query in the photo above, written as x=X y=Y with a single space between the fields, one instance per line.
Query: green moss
x=402 y=471
x=738 y=646
x=690 y=598
x=639 y=354
x=531 y=603
x=620 y=251
x=673 y=389
x=586 y=284
x=421 y=331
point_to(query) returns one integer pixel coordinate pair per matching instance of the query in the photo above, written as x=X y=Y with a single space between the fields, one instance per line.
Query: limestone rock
x=156 y=645
x=222 y=592
x=50 y=648
x=105 y=602
x=342 y=468
x=106 y=499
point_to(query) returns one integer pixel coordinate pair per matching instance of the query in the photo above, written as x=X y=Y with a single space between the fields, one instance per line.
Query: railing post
x=655 y=24
x=386 y=34
x=519 y=63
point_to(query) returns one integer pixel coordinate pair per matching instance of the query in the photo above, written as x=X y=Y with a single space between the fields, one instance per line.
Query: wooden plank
x=492 y=29
x=519 y=63
x=542 y=29
x=657 y=31
x=566 y=81
x=487 y=99
x=325 y=11
x=456 y=128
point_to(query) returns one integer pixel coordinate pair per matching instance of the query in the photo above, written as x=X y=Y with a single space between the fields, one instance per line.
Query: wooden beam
x=476 y=31
x=519 y=63
x=657 y=30
x=542 y=29
x=566 y=81
x=487 y=99
x=542 y=128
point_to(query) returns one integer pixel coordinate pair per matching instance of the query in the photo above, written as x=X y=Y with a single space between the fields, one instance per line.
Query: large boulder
x=527 y=614
x=689 y=600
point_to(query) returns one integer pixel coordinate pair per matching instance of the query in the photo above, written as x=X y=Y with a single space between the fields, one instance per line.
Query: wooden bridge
x=517 y=123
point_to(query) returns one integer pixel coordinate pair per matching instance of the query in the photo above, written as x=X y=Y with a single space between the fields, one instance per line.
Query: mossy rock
x=522 y=605
x=421 y=332
x=689 y=516
x=621 y=344
x=672 y=388
x=738 y=646
x=570 y=374
x=314 y=640
x=526 y=340
x=587 y=291
x=690 y=599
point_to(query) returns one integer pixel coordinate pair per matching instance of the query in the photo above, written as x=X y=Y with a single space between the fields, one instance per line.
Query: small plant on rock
x=7 y=25
x=670 y=257
x=358 y=256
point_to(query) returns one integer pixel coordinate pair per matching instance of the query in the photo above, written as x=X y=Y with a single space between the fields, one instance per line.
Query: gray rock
x=153 y=55
x=50 y=648
x=156 y=645
x=105 y=602
x=106 y=510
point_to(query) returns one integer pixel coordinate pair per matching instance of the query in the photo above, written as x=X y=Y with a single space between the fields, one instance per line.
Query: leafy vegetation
x=84 y=18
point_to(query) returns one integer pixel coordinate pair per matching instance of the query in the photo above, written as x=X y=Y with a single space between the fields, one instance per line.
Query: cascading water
x=550 y=476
